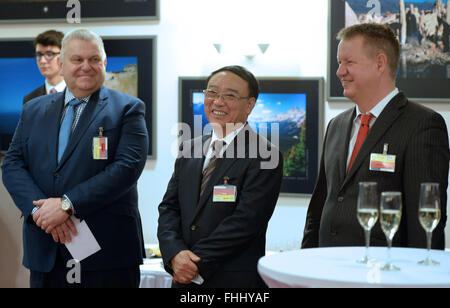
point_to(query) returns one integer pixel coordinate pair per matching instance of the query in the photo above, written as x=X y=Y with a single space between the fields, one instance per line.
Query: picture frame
x=20 y=11
x=289 y=94
x=19 y=75
x=423 y=81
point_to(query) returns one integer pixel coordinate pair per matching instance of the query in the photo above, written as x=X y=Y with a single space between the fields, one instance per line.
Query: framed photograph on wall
x=423 y=30
x=130 y=69
x=14 y=11
x=295 y=104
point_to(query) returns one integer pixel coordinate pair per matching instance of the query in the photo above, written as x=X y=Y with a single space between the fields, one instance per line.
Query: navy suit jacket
x=103 y=192
x=229 y=237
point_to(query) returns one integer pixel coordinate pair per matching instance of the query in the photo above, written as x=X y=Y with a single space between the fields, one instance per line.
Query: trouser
x=61 y=277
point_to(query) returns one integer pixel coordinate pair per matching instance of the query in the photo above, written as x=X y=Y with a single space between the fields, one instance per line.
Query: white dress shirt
x=375 y=111
x=59 y=87
x=227 y=140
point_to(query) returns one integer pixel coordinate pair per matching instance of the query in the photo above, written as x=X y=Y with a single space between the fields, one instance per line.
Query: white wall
x=297 y=33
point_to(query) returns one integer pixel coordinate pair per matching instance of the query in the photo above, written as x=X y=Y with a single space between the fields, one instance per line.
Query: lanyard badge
x=225 y=192
x=100 y=146
x=382 y=162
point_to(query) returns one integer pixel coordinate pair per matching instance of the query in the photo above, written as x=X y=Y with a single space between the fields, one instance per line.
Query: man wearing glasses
x=48 y=46
x=213 y=218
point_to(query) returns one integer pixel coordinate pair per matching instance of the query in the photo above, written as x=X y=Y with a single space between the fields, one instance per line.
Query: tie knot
x=75 y=102
x=52 y=91
x=365 y=118
x=217 y=147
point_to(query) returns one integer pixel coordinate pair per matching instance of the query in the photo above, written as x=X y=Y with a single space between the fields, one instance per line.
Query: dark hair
x=379 y=37
x=242 y=72
x=49 y=38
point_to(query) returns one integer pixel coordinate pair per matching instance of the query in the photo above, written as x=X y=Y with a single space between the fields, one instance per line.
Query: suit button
x=56 y=175
x=340 y=199
x=193 y=227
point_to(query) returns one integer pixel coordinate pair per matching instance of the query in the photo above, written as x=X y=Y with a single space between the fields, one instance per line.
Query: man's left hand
x=50 y=214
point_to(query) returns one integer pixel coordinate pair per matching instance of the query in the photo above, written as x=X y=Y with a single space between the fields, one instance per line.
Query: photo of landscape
x=422 y=27
x=19 y=76
x=288 y=110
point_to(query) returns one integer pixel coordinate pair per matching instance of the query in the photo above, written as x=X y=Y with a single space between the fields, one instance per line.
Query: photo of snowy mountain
x=288 y=110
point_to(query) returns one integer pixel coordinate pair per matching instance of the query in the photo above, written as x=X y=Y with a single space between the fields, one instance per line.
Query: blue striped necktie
x=66 y=127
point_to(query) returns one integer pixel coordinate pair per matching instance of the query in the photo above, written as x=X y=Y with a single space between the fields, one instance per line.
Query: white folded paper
x=84 y=244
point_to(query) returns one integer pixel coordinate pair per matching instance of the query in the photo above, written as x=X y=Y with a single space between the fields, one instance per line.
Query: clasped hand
x=184 y=267
x=52 y=219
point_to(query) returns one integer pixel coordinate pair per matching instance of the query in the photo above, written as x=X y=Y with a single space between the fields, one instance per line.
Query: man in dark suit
x=48 y=48
x=417 y=136
x=213 y=218
x=52 y=177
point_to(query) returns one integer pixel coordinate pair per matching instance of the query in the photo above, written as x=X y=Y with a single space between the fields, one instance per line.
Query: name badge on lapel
x=100 y=146
x=225 y=192
x=382 y=162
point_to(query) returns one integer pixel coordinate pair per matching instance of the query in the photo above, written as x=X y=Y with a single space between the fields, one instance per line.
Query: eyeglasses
x=49 y=55
x=227 y=97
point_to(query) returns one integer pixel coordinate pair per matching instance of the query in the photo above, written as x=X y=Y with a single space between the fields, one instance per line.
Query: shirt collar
x=227 y=139
x=69 y=96
x=376 y=111
x=59 y=87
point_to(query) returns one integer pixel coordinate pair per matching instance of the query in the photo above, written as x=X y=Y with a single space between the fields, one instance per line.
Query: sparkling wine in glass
x=429 y=214
x=390 y=216
x=367 y=212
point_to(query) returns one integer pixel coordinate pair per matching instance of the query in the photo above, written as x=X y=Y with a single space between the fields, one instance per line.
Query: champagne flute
x=390 y=215
x=429 y=214
x=367 y=212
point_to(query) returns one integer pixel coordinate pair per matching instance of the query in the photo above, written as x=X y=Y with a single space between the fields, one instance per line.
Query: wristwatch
x=65 y=206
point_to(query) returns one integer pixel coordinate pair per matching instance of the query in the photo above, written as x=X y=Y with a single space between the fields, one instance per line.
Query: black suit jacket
x=418 y=137
x=35 y=93
x=228 y=237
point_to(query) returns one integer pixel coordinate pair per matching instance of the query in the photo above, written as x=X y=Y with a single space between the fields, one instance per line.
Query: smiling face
x=219 y=111
x=83 y=68
x=358 y=70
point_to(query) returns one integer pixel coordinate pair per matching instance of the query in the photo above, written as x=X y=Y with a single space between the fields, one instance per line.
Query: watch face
x=65 y=205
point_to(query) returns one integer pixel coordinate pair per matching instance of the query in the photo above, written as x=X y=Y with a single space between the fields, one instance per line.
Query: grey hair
x=85 y=35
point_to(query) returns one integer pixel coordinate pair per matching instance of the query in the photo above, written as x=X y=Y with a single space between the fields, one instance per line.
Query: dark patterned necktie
x=216 y=148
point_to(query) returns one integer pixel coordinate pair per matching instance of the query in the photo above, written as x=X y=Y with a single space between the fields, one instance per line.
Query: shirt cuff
x=34 y=210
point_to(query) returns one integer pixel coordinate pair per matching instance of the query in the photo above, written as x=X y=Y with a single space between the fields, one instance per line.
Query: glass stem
x=389 y=250
x=367 y=235
x=429 y=233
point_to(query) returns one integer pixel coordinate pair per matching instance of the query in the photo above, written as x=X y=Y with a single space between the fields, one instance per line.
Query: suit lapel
x=345 y=125
x=51 y=124
x=196 y=167
x=387 y=117
x=96 y=103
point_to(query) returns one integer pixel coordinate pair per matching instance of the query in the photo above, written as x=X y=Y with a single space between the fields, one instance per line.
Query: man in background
x=79 y=154
x=48 y=48
x=213 y=218
x=383 y=122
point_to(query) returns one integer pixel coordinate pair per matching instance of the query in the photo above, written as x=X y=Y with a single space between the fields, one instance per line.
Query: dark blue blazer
x=103 y=192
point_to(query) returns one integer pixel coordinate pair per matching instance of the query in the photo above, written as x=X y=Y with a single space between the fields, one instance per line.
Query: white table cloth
x=153 y=274
x=337 y=267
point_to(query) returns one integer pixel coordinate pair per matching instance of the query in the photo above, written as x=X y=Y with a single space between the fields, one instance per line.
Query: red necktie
x=52 y=91
x=362 y=133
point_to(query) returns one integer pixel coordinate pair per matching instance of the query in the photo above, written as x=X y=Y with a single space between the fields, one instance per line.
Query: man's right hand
x=184 y=267
x=63 y=233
